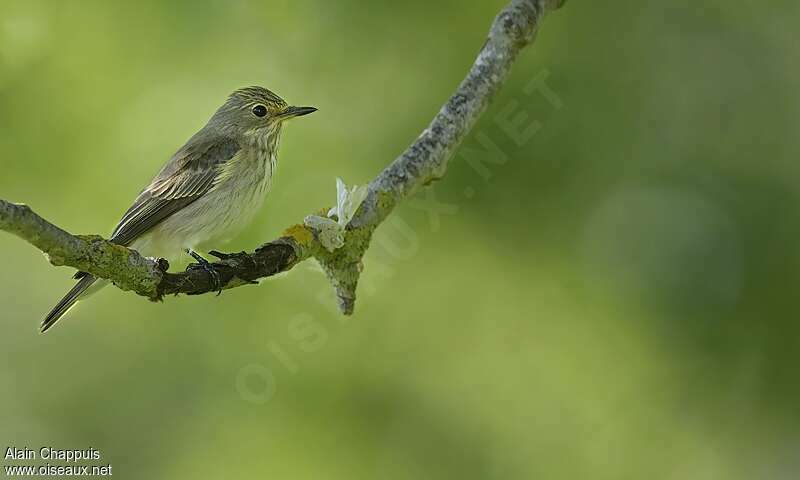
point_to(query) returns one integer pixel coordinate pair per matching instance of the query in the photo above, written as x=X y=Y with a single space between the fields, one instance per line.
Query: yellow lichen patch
x=300 y=234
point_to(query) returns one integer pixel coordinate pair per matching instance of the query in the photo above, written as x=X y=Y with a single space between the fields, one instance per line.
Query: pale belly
x=212 y=220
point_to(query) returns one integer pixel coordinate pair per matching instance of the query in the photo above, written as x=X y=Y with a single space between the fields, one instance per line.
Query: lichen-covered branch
x=128 y=269
x=146 y=276
x=424 y=161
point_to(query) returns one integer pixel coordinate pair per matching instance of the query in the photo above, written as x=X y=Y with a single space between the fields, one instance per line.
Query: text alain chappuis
x=69 y=460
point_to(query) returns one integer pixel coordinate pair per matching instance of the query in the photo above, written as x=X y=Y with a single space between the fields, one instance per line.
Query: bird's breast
x=244 y=182
x=237 y=194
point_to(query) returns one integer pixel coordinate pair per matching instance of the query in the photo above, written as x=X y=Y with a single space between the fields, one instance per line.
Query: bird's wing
x=188 y=175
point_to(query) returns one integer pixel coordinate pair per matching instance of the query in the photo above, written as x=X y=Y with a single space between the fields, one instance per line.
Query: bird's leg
x=204 y=265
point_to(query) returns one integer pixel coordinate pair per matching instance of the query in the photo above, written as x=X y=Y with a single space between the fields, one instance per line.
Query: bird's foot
x=227 y=256
x=205 y=265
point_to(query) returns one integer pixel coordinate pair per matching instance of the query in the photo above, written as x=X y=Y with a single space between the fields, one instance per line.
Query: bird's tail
x=70 y=299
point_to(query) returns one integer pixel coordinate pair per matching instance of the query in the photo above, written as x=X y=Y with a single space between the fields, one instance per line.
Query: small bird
x=207 y=191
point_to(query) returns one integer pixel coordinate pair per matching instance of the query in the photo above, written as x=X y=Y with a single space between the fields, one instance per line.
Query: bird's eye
x=259 y=110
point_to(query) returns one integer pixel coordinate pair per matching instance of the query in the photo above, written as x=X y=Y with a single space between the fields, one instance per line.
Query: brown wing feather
x=186 y=177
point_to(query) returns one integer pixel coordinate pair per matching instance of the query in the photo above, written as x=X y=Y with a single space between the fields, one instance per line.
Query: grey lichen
x=427 y=158
x=90 y=253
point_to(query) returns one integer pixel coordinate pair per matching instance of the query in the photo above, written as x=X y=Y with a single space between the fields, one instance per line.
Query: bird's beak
x=291 y=112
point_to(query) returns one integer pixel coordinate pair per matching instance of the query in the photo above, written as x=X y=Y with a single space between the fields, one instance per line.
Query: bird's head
x=255 y=112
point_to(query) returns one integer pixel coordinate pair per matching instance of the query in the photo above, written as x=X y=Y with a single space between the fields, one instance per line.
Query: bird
x=206 y=192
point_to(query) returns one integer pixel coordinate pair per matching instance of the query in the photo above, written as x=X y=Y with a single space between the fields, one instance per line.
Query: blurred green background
x=615 y=300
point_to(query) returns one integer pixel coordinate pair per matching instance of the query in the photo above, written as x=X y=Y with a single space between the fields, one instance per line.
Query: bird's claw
x=205 y=265
x=225 y=256
x=244 y=255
